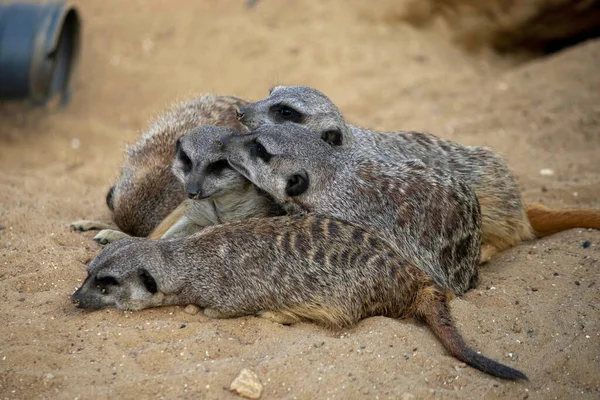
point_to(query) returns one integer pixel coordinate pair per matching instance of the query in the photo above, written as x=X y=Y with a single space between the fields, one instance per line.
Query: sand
x=536 y=308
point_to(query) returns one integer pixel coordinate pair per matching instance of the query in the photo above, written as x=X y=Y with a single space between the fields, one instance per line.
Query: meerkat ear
x=109 y=198
x=297 y=183
x=148 y=281
x=333 y=137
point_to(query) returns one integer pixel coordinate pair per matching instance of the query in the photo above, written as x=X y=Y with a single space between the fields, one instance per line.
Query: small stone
x=577 y=283
x=529 y=330
x=586 y=244
x=534 y=289
x=182 y=326
x=317 y=345
x=49 y=376
x=546 y=172
x=556 y=274
x=2 y=227
x=246 y=384
x=544 y=189
x=191 y=309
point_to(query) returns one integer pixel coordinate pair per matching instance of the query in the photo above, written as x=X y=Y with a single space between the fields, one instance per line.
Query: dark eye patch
x=258 y=150
x=106 y=281
x=282 y=113
x=148 y=281
x=185 y=161
x=217 y=167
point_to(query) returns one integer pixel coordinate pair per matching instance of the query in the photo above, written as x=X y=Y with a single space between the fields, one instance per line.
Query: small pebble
x=556 y=274
x=534 y=289
x=182 y=326
x=577 y=283
x=586 y=244
x=2 y=227
x=191 y=309
x=546 y=172
x=247 y=384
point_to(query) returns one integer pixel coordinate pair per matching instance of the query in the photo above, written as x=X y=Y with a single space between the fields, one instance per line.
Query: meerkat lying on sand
x=147 y=191
x=506 y=222
x=286 y=268
x=432 y=216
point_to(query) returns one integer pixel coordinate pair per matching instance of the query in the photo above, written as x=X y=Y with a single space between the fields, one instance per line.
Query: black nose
x=239 y=114
x=193 y=190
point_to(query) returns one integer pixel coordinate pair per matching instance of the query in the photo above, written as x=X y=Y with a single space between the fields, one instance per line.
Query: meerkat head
x=298 y=105
x=122 y=276
x=200 y=165
x=287 y=162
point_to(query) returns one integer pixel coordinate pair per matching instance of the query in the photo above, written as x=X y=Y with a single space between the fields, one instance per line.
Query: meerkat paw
x=487 y=252
x=216 y=314
x=107 y=236
x=86 y=225
x=276 y=317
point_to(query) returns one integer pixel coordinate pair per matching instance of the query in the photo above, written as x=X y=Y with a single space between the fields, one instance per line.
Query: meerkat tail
x=546 y=221
x=170 y=220
x=433 y=309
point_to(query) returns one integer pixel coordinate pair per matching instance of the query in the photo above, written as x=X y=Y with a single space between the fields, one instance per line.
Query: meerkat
x=289 y=269
x=506 y=222
x=431 y=216
x=147 y=191
x=217 y=193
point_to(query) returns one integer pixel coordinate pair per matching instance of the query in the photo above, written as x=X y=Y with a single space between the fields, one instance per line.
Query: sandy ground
x=537 y=305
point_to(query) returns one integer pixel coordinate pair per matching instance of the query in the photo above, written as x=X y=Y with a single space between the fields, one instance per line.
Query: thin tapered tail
x=433 y=309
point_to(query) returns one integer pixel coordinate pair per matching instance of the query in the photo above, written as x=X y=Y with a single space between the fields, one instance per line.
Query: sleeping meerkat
x=506 y=222
x=432 y=216
x=147 y=191
x=217 y=193
x=289 y=269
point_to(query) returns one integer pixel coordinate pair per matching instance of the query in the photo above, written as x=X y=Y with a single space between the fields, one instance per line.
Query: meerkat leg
x=183 y=228
x=277 y=317
x=214 y=313
x=85 y=225
x=107 y=236
x=487 y=252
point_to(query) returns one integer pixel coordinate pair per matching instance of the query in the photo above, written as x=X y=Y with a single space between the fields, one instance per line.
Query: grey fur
x=307 y=268
x=218 y=193
x=432 y=217
x=504 y=219
x=147 y=191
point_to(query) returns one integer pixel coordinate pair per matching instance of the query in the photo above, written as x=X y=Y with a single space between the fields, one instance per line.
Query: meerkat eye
x=104 y=283
x=287 y=113
x=148 y=281
x=217 y=167
x=186 y=163
x=258 y=150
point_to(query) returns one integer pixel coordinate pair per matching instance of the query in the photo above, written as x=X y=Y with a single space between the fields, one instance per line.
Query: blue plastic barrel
x=39 y=49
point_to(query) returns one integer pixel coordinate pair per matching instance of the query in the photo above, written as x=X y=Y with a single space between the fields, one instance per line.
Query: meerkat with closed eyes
x=217 y=193
x=432 y=216
x=288 y=269
x=147 y=192
x=506 y=221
